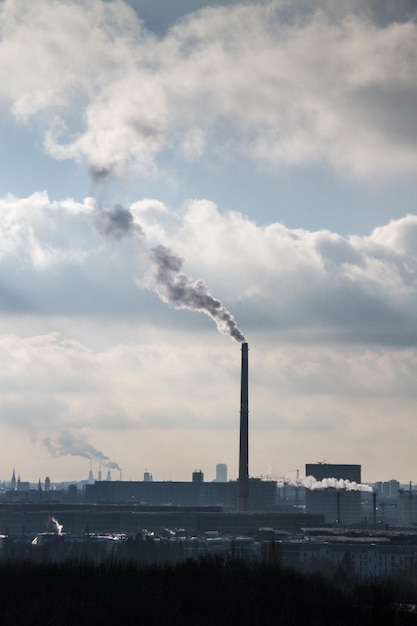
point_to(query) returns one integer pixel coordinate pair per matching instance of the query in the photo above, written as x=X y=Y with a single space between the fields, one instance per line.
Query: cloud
x=175 y=402
x=53 y=258
x=31 y=230
x=286 y=87
x=343 y=288
x=293 y=281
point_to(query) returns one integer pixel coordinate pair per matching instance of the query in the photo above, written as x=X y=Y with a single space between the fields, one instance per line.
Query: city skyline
x=254 y=162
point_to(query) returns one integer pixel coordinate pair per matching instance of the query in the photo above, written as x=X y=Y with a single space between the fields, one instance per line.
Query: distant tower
x=198 y=476
x=47 y=484
x=147 y=477
x=221 y=473
x=13 y=482
x=108 y=475
x=90 y=474
x=99 y=477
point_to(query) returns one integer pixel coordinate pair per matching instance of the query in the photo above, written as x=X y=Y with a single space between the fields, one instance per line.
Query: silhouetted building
x=13 y=482
x=221 y=473
x=198 y=476
x=147 y=477
x=337 y=505
x=262 y=494
x=72 y=493
x=90 y=474
x=407 y=507
x=387 y=489
x=22 y=485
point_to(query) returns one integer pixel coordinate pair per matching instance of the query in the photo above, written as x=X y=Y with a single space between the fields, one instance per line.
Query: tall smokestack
x=243 y=487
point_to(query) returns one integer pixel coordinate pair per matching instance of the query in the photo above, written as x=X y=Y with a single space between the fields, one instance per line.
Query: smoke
x=117 y=222
x=165 y=276
x=99 y=174
x=174 y=287
x=69 y=443
x=336 y=483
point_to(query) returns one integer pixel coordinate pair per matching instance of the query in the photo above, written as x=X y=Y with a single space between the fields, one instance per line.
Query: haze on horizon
x=269 y=150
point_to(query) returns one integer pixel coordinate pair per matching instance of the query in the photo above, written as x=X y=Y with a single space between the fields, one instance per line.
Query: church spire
x=13 y=482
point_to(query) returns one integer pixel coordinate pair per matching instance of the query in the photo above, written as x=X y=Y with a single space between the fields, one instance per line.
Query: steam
x=174 y=287
x=58 y=527
x=336 y=483
x=68 y=443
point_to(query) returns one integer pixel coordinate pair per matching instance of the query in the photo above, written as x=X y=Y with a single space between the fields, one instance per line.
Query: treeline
x=210 y=591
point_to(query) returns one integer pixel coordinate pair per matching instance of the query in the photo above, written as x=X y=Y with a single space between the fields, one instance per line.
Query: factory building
x=262 y=494
x=337 y=505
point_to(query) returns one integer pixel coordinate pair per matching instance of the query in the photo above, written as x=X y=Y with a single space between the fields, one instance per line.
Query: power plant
x=163 y=521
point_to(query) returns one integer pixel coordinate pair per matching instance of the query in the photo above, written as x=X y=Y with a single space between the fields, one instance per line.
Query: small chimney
x=198 y=476
x=338 y=498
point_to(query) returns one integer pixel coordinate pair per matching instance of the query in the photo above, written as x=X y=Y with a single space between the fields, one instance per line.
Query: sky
x=178 y=177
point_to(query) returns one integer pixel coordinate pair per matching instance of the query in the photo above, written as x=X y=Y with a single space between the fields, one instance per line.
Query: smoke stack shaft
x=243 y=489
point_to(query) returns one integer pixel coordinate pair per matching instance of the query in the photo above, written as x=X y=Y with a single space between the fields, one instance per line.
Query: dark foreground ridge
x=211 y=591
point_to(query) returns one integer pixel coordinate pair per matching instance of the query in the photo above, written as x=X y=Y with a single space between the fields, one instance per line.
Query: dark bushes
x=198 y=593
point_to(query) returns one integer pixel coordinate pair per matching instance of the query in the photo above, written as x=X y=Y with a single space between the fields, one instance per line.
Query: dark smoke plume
x=99 y=174
x=116 y=222
x=173 y=286
x=69 y=443
x=166 y=277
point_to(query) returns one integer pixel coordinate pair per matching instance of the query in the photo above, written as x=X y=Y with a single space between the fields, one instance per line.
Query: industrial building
x=262 y=495
x=337 y=505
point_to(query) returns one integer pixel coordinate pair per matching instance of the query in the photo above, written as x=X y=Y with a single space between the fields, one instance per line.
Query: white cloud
x=357 y=288
x=30 y=230
x=312 y=89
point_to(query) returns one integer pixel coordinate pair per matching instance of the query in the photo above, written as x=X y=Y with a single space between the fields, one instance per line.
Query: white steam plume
x=336 y=483
x=174 y=287
x=58 y=527
x=69 y=443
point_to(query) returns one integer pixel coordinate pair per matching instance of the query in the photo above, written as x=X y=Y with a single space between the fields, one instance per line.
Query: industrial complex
x=324 y=520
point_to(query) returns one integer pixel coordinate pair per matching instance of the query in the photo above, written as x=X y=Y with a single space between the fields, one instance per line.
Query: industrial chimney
x=243 y=486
